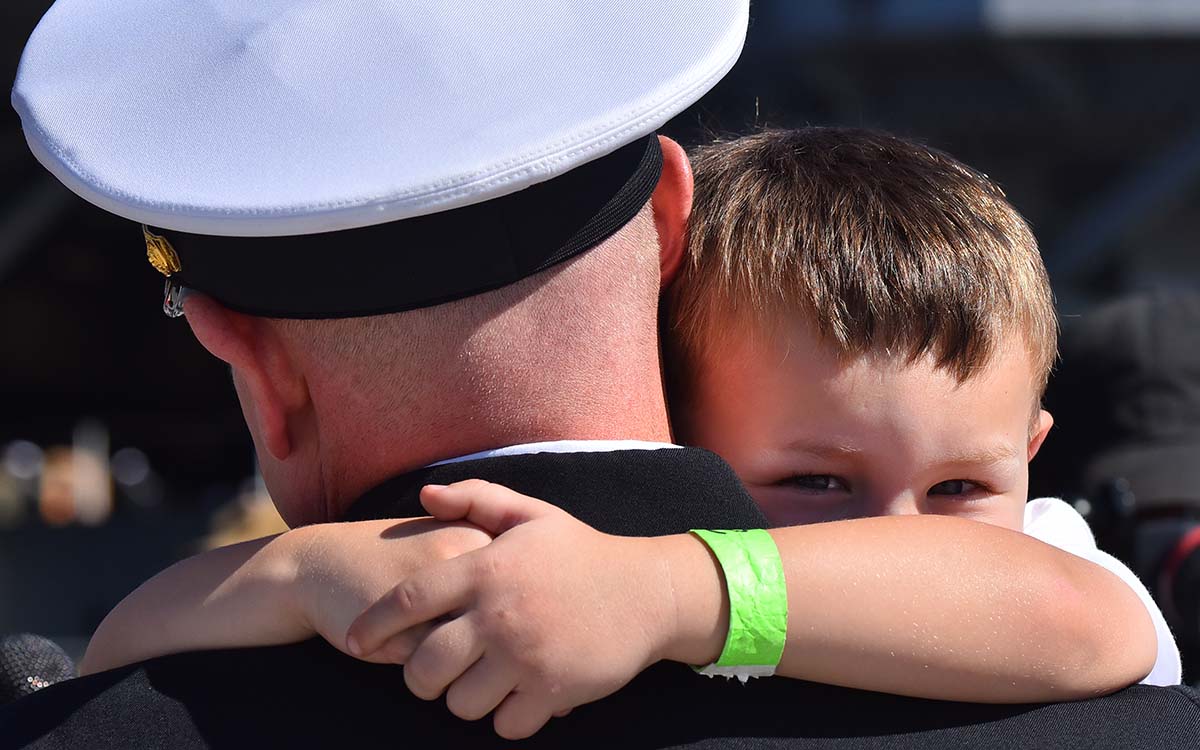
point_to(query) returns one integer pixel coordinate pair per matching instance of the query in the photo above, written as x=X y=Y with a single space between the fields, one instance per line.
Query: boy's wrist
x=288 y=554
x=700 y=602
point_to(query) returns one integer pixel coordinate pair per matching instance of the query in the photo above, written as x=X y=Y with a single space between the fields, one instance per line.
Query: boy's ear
x=1041 y=428
x=271 y=389
x=672 y=206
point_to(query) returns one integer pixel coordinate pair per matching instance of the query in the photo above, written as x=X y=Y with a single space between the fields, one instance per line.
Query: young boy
x=863 y=331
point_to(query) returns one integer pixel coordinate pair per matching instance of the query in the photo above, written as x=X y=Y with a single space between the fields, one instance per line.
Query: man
x=418 y=232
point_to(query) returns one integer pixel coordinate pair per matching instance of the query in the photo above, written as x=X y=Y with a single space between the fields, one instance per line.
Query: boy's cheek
x=1005 y=511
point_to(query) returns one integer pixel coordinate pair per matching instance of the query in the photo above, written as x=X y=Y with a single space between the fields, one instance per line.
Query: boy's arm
x=232 y=596
x=280 y=589
x=946 y=608
x=926 y=606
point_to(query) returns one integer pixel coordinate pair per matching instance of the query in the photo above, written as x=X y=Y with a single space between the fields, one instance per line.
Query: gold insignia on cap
x=160 y=253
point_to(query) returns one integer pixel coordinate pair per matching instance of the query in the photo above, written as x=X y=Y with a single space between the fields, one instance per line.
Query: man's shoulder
x=305 y=695
x=300 y=695
x=309 y=695
x=629 y=492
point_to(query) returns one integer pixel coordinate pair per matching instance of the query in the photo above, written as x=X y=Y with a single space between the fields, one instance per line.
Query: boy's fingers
x=492 y=507
x=400 y=647
x=481 y=688
x=521 y=715
x=449 y=650
x=429 y=593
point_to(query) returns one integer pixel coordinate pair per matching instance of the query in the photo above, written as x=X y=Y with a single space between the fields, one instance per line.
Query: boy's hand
x=550 y=615
x=280 y=589
x=341 y=568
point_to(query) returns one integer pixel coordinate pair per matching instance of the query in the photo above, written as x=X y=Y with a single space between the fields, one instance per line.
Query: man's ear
x=274 y=390
x=672 y=205
x=1041 y=428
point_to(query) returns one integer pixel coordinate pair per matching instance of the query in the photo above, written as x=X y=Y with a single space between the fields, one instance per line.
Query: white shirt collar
x=563 y=446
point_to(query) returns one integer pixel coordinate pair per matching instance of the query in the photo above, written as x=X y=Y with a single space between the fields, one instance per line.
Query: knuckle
x=463 y=705
x=419 y=682
x=499 y=625
x=541 y=674
x=405 y=596
x=507 y=728
x=514 y=725
x=511 y=626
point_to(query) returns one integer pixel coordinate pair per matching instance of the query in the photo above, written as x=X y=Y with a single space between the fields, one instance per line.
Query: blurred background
x=122 y=447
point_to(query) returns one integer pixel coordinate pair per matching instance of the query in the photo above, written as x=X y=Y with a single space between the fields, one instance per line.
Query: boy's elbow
x=1108 y=639
x=1130 y=649
x=94 y=657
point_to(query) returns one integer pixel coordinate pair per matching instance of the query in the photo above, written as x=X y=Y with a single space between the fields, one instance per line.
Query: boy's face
x=815 y=438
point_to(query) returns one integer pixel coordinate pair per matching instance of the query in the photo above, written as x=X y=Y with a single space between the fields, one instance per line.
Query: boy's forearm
x=933 y=607
x=239 y=595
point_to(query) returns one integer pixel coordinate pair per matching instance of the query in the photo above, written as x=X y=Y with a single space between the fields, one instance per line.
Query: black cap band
x=428 y=260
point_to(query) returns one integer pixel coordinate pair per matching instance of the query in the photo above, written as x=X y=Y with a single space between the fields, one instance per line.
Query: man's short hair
x=882 y=244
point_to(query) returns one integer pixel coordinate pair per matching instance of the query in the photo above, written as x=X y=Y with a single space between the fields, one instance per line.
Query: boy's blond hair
x=884 y=245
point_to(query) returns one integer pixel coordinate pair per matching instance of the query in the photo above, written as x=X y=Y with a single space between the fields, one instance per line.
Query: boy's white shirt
x=1056 y=523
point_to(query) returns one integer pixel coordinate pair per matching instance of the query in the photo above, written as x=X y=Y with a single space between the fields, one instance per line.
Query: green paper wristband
x=758 y=606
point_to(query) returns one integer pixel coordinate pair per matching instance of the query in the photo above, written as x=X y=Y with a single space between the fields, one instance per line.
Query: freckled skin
x=819 y=438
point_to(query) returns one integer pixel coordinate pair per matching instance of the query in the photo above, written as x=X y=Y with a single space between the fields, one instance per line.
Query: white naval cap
x=276 y=118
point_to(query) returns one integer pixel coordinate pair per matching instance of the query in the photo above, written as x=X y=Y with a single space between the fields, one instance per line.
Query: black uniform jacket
x=309 y=695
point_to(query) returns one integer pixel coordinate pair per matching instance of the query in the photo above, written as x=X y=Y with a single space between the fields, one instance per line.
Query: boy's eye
x=954 y=487
x=816 y=483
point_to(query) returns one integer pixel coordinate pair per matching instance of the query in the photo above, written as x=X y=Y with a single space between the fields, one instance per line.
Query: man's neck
x=365 y=460
x=571 y=355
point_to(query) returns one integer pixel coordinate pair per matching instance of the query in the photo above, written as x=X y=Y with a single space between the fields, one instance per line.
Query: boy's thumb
x=492 y=507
